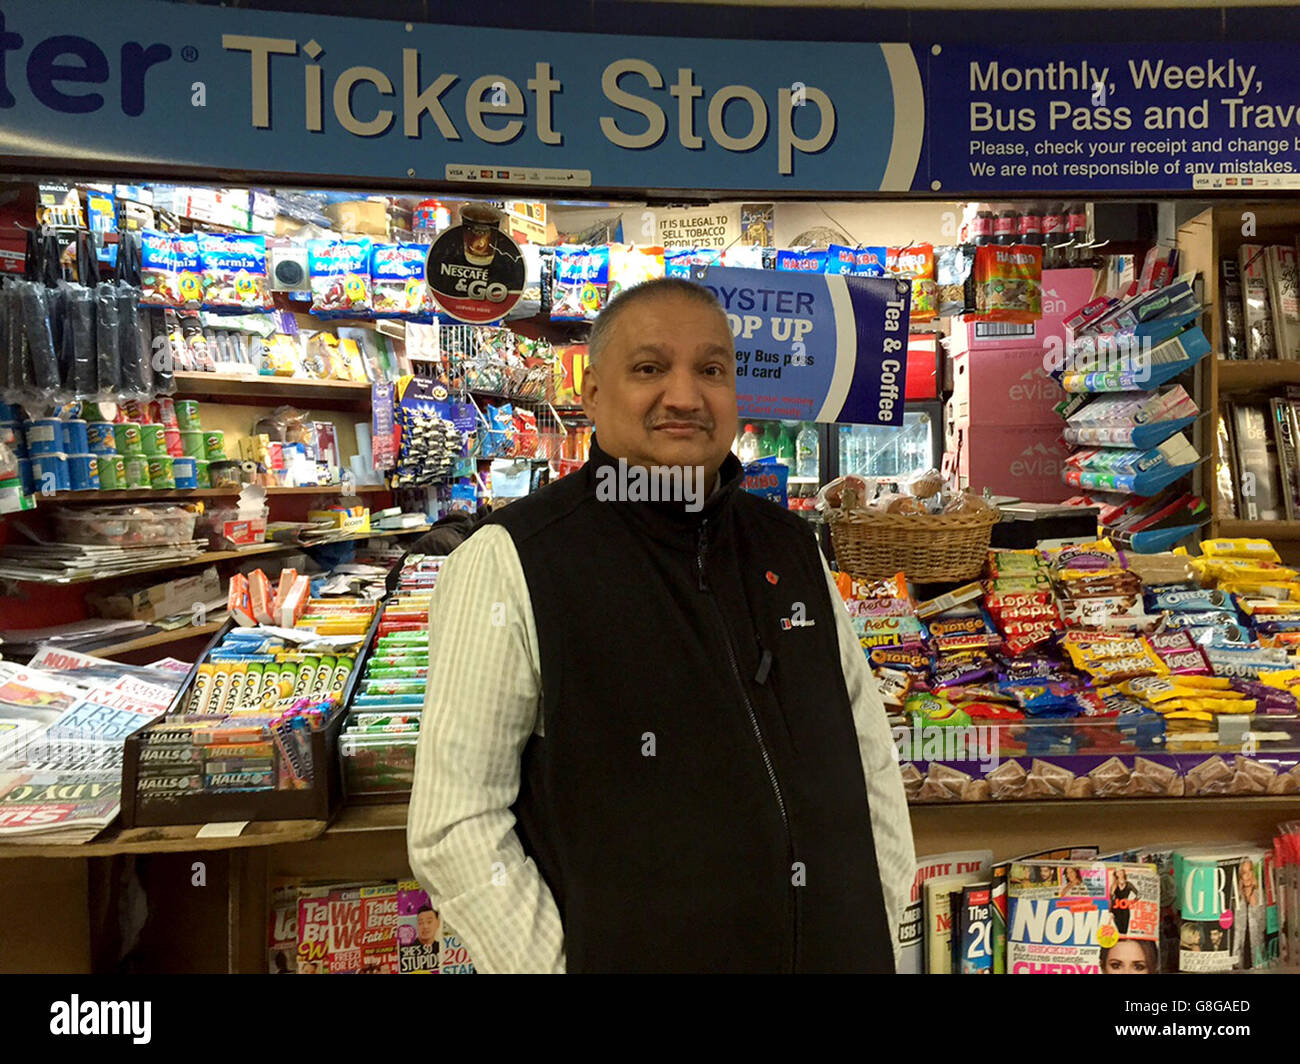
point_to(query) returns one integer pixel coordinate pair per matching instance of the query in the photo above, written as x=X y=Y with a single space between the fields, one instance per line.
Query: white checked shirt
x=482 y=705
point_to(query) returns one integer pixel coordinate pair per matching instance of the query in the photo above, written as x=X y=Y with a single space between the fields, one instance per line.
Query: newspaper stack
x=63 y=719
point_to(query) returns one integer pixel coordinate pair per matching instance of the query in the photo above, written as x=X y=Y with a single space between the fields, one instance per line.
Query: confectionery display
x=1088 y=672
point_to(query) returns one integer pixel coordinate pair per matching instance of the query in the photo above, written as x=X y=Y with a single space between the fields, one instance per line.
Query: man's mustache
x=705 y=424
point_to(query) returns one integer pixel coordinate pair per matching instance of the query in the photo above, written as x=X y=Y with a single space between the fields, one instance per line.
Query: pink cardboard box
x=1022 y=461
x=1003 y=386
x=1063 y=291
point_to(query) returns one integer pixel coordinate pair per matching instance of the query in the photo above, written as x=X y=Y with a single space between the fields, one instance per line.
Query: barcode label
x=984 y=329
x=1169 y=352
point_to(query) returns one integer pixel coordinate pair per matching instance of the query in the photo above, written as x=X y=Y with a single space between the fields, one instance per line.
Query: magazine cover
x=313 y=930
x=1083 y=918
x=379 y=930
x=976 y=930
x=1226 y=920
x=282 y=929
x=419 y=931
x=912 y=923
x=998 y=893
x=344 y=954
x=1163 y=859
x=939 y=892
x=455 y=957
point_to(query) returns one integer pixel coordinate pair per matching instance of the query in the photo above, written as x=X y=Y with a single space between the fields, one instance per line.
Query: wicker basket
x=929 y=548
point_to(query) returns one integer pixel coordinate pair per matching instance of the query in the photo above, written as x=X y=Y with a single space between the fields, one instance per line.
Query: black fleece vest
x=697 y=802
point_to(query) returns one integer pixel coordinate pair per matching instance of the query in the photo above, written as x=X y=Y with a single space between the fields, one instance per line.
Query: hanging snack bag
x=801 y=261
x=188 y=266
x=581 y=283
x=1008 y=282
x=841 y=259
x=157 y=269
x=525 y=426
x=678 y=262
x=340 y=276
x=916 y=262
x=630 y=266
x=498 y=441
x=953 y=266
x=870 y=262
x=397 y=280
x=234 y=271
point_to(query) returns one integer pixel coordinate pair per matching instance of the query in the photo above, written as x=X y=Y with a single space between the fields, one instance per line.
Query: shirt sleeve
x=481 y=706
x=891 y=823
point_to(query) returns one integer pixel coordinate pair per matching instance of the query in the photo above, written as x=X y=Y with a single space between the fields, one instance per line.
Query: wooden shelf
x=158 y=639
x=147 y=495
x=213 y=556
x=252 y=390
x=1260 y=375
x=1232 y=528
x=389 y=816
x=171 y=839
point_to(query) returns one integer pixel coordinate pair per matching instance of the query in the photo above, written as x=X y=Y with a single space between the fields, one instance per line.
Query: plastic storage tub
x=126 y=526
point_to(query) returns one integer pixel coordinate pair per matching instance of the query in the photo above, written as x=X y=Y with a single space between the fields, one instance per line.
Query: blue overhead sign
x=213 y=90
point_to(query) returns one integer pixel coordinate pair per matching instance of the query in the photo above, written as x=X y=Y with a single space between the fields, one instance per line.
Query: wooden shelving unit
x=213 y=556
x=147 y=495
x=159 y=639
x=257 y=390
x=1204 y=241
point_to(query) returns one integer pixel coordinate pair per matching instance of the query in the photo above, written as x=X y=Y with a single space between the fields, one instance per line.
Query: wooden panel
x=46 y=922
x=187 y=931
x=179 y=838
x=1014 y=828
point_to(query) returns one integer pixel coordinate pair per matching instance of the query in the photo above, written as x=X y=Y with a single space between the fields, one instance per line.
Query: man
x=651 y=740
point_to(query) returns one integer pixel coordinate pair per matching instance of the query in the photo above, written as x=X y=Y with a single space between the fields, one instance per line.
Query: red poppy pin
x=772 y=578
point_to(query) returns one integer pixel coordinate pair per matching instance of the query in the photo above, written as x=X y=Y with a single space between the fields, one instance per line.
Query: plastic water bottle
x=807 y=450
x=785 y=449
x=748 y=446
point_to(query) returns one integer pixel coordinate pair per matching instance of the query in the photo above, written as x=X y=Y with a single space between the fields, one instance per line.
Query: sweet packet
x=916 y=262
x=397 y=280
x=340 y=276
x=1008 y=283
x=234 y=271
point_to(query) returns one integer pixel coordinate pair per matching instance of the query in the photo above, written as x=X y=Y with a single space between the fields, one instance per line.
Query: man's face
x=664 y=391
x=426 y=926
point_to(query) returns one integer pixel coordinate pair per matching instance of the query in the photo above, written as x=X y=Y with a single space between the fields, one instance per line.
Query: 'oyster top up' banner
x=815 y=347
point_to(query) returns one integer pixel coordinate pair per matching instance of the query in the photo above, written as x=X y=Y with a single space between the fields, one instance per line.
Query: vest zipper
x=753 y=723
